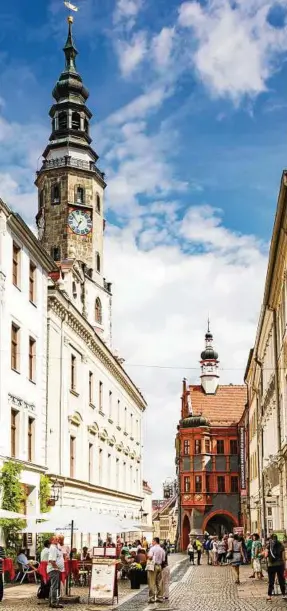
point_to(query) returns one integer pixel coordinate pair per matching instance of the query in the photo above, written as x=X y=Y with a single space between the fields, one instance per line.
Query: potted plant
x=135 y=575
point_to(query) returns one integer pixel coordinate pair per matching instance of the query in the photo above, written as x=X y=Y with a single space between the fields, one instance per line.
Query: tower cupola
x=209 y=365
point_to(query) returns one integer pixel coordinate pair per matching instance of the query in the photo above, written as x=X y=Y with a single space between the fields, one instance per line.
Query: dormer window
x=80 y=195
x=63 y=120
x=76 y=121
x=55 y=194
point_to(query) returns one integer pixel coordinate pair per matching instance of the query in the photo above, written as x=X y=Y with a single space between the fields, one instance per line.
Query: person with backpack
x=275 y=562
x=207 y=549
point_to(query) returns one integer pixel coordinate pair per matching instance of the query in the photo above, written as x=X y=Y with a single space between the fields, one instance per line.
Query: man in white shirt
x=157 y=555
x=45 y=551
x=55 y=567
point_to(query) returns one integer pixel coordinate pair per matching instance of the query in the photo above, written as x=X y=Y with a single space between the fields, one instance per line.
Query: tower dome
x=209 y=365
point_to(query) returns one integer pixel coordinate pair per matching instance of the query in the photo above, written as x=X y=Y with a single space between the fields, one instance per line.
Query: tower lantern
x=209 y=365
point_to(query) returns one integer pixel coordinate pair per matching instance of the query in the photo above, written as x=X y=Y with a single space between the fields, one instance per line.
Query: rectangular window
x=198 y=483
x=16 y=265
x=132 y=425
x=125 y=420
x=100 y=465
x=31 y=424
x=72 y=456
x=14 y=432
x=234 y=483
x=91 y=462
x=208 y=483
x=15 y=341
x=91 y=384
x=233 y=446
x=207 y=446
x=117 y=474
x=221 y=483
x=220 y=446
x=73 y=372
x=197 y=446
x=32 y=359
x=118 y=412
x=186 y=484
x=110 y=404
x=101 y=396
x=186 y=447
x=32 y=282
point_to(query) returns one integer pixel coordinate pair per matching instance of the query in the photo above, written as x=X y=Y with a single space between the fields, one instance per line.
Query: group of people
x=236 y=550
x=153 y=560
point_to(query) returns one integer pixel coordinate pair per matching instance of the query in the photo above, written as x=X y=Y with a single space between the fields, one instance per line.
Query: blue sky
x=190 y=122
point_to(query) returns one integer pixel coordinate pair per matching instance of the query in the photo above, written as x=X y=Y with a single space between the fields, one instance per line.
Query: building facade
x=24 y=269
x=94 y=410
x=266 y=378
x=208 y=452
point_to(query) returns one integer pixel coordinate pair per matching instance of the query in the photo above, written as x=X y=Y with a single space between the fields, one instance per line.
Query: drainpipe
x=61 y=392
x=47 y=391
x=277 y=393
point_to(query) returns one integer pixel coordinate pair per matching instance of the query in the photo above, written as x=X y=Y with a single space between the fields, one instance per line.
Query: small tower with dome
x=209 y=365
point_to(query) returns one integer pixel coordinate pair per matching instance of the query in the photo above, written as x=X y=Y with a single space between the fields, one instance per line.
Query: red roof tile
x=222 y=409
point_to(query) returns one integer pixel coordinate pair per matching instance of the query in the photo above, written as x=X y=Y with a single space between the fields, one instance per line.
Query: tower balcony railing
x=67 y=160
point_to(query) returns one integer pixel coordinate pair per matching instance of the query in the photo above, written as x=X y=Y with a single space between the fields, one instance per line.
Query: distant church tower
x=209 y=365
x=70 y=186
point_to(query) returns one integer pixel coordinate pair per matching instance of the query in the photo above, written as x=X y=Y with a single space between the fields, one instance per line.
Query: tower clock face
x=80 y=222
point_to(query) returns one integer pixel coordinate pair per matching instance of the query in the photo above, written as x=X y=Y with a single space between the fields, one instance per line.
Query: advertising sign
x=242 y=458
x=102 y=579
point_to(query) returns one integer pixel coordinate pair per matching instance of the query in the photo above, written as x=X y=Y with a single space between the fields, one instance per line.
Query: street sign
x=272 y=501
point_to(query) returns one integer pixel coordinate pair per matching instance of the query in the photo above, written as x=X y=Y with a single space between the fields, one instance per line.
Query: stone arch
x=98 y=311
x=216 y=518
x=185 y=531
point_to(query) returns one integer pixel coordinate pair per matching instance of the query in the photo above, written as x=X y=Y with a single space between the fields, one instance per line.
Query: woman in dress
x=235 y=554
x=256 y=552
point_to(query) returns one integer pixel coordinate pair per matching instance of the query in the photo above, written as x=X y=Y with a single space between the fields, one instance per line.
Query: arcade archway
x=185 y=532
x=219 y=523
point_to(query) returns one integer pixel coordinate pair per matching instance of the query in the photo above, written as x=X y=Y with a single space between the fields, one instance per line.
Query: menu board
x=102 y=579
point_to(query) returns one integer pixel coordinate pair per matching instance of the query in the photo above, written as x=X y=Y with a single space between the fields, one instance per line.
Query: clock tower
x=209 y=365
x=70 y=186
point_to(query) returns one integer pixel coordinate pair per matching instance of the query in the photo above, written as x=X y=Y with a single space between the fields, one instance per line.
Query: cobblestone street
x=192 y=588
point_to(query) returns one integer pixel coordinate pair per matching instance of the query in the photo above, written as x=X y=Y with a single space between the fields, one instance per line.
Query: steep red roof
x=222 y=409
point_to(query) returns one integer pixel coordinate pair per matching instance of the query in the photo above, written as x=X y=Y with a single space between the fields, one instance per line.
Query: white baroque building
x=24 y=268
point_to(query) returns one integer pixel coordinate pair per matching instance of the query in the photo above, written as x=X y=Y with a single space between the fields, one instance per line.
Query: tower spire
x=70 y=49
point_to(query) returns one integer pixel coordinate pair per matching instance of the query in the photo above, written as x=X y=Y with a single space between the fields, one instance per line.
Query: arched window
x=98 y=311
x=98 y=262
x=55 y=194
x=80 y=195
x=86 y=126
x=98 y=203
x=63 y=120
x=76 y=121
x=56 y=253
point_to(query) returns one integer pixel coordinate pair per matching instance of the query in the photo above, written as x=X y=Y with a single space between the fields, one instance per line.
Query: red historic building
x=208 y=452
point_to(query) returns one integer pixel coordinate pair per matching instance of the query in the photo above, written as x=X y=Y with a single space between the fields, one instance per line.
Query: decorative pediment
x=93 y=428
x=127 y=451
x=76 y=419
x=120 y=447
x=103 y=435
x=112 y=441
x=132 y=455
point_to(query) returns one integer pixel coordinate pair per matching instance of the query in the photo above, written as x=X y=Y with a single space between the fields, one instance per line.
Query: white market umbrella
x=11 y=515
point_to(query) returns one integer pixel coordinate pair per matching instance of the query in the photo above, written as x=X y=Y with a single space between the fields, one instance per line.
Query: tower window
x=80 y=195
x=56 y=253
x=98 y=311
x=41 y=199
x=98 y=203
x=55 y=194
x=53 y=125
x=86 y=126
x=76 y=121
x=98 y=262
x=63 y=120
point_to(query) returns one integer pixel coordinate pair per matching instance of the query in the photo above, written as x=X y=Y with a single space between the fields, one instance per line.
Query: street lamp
x=56 y=488
x=141 y=512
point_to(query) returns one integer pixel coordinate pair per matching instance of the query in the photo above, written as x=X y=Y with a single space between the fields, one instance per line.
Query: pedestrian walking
x=276 y=564
x=256 y=552
x=198 y=547
x=207 y=549
x=165 y=578
x=215 y=551
x=190 y=551
x=235 y=555
x=222 y=551
x=156 y=558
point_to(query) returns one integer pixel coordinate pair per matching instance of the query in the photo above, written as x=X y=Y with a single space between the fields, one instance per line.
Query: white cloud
x=236 y=47
x=139 y=107
x=126 y=11
x=132 y=53
x=162 y=297
x=162 y=46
